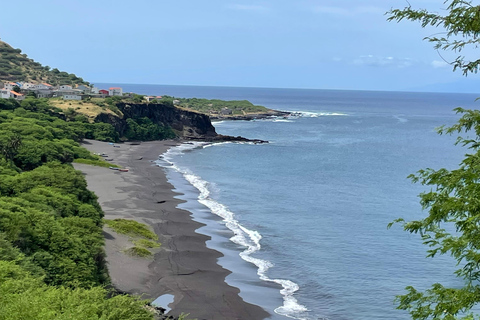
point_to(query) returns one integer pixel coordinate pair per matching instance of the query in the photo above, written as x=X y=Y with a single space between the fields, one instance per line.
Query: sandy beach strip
x=183 y=266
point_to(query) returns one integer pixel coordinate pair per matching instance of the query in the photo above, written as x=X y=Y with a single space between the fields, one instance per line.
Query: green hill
x=16 y=66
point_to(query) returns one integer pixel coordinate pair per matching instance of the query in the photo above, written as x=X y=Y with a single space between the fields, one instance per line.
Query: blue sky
x=328 y=44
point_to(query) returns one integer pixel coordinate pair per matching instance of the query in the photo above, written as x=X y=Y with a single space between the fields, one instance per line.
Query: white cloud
x=439 y=64
x=351 y=11
x=379 y=61
x=245 y=7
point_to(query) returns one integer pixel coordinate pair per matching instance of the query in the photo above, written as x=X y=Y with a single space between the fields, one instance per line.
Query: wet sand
x=183 y=266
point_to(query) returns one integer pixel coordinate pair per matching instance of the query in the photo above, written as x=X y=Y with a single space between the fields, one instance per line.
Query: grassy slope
x=15 y=66
x=90 y=109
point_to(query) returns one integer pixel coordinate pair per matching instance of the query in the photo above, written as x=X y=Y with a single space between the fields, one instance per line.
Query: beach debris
x=140 y=158
x=108 y=159
x=162 y=201
x=123 y=170
x=114 y=168
x=116 y=146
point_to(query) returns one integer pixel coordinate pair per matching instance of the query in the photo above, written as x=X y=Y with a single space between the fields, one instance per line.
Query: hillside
x=16 y=66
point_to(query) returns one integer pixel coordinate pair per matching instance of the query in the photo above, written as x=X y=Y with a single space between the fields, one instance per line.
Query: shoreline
x=183 y=266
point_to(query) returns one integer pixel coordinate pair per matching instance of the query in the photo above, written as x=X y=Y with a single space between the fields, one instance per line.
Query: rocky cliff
x=186 y=124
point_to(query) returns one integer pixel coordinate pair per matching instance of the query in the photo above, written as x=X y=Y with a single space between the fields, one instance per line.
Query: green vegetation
x=135 y=230
x=215 y=106
x=25 y=296
x=15 y=66
x=452 y=225
x=144 y=129
x=138 y=252
x=52 y=263
x=131 y=228
x=98 y=163
x=146 y=243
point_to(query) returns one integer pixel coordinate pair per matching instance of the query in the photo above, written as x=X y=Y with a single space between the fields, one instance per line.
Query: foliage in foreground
x=25 y=296
x=52 y=263
x=453 y=202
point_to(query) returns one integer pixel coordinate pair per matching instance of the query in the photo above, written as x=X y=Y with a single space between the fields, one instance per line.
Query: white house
x=16 y=95
x=9 y=85
x=4 y=93
x=27 y=86
x=149 y=98
x=65 y=87
x=95 y=90
x=116 y=91
x=42 y=86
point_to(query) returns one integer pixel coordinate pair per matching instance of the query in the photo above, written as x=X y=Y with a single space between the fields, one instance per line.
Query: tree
x=461 y=29
x=9 y=146
x=453 y=222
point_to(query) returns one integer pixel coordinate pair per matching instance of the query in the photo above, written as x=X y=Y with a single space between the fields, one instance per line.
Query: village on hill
x=19 y=90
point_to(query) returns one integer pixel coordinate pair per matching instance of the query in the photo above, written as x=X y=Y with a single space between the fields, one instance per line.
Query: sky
x=319 y=44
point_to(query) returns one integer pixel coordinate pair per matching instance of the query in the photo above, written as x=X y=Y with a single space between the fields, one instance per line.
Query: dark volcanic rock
x=253 y=116
x=186 y=124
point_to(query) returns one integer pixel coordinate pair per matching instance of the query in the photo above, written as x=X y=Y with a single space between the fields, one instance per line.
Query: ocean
x=302 y=221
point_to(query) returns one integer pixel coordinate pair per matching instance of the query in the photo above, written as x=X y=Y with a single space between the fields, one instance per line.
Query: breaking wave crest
x=307 y=114
x=250 y=239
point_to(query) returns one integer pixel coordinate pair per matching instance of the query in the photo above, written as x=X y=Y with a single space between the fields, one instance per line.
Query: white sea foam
x=207 y=145
x=400 y=118
x=282 y=120
x=250 y=239
x=308 y=114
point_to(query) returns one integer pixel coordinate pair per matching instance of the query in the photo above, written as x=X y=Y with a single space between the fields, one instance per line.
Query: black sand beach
x=183 y=266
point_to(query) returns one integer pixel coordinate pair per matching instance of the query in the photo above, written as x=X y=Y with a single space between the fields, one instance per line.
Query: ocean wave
x=308 y=114
x=250 y=239
x=400 y=118
x=281 y=120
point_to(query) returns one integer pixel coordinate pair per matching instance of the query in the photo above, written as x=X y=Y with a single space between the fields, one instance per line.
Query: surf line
x=249 y=239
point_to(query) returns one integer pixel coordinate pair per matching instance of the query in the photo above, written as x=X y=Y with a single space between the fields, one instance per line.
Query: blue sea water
x=302 y=221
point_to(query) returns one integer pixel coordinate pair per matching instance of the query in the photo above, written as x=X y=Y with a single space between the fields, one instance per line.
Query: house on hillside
x=9 y=85
x=151 y=98
x=17 y=96
x=43 y=86
x=105 y=92
x=61 y=93
x=115 y=91
x=65 y=87
x=43 y=93
x=27 y=86
x=4 y=93
x=84 y=88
